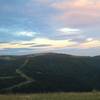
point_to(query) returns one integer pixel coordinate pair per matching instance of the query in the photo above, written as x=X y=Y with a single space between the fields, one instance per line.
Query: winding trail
x=19 y=72
x=18 y=85
x=22 y=74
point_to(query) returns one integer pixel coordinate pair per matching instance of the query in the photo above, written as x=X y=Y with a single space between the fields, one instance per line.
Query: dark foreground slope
x=49 y=72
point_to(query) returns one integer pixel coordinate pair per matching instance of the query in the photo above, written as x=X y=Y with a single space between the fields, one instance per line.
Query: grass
x=52 y=96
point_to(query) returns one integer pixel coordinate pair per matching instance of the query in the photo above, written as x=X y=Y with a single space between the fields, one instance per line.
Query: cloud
x=49 y=43
x=55 y=43
x=38 y=43
x=78 y=18
x=89 y=39
x=89 y=43
x=46 y=44
x=15 y=34
x=12 y=45
x=26 y=33
x=77 y=4
x=42 y=45
x=69 y=31
x=77 y=12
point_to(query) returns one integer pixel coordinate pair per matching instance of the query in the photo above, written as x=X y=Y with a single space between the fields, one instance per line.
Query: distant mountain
x=49 y=72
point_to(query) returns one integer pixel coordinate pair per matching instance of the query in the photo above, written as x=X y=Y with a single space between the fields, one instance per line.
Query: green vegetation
x=53 y=96
x=49 y=72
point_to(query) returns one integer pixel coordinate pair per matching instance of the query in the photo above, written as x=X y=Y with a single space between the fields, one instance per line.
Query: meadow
x=52 y=96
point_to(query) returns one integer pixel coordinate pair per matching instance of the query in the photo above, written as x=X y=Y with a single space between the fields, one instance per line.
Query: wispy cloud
x=77 y=12
x=89 y=43
x=77 y=4
x=55 y=43
x=49 y=43
x=38 y=43
x=69 y=31
x=26 y=33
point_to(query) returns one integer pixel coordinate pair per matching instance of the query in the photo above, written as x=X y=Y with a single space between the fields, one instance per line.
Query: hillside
x=49 y=72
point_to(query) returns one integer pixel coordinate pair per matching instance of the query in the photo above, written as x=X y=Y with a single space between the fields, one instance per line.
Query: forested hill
x=49 y=72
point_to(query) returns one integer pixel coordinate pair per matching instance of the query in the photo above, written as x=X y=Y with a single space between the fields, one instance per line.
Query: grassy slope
x=53 y=96
x=44 y=71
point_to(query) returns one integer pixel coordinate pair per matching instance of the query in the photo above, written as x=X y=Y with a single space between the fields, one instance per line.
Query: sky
x=63 y=26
